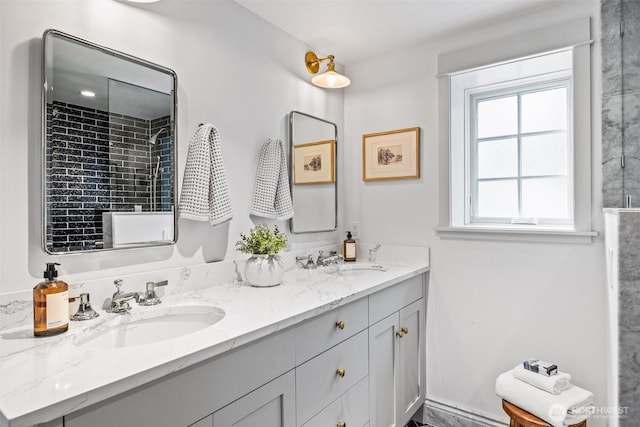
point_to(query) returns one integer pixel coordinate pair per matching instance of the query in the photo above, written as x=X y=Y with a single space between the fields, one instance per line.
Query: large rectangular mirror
x=314 y=181
x=109 y=151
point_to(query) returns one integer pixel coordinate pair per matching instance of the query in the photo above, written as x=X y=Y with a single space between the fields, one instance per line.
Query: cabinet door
x=272 y=405
x=383 y=371
x=410 y=387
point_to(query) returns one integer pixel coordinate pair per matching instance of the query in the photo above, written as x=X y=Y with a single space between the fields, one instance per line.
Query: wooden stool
x=521 y=418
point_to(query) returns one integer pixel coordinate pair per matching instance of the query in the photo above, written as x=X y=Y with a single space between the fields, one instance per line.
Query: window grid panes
x=520 y=151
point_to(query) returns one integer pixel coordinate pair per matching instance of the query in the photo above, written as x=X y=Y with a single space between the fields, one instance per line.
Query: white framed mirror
x=313 y=173
x=108 y=148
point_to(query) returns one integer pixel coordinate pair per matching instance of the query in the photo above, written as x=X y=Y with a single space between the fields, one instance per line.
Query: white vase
x=264 y=270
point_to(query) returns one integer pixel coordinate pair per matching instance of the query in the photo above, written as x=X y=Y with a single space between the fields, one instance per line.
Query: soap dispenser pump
x=50 y=304
x=349 y=248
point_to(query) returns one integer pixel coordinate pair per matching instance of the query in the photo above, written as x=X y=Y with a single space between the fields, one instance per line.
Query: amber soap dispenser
x=349 y=248
x=50 y=304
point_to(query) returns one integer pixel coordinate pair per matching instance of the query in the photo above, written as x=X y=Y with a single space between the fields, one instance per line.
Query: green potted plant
x=264 y=267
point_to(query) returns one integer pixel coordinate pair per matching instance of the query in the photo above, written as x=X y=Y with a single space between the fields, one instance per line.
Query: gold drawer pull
x=341 y=424
x=400 y=334
x=405 y=330
x=340 y=325
x=340 y=372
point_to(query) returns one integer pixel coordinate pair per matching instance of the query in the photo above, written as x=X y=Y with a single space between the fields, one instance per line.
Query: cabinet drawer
x=390 y=300
x=352 y=409
x=329 y=329
x=269 y=406
x=317 y=381
x=192 y=393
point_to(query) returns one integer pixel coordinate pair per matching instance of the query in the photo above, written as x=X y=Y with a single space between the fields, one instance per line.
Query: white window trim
x=572 y=36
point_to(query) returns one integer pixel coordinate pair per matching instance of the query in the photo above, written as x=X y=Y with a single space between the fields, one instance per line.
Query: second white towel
x=557 y=409
x=272 y=197
x=553 y=384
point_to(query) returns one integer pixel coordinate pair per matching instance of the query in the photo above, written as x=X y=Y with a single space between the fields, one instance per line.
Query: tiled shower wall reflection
x=620 y=103
x=98 y=162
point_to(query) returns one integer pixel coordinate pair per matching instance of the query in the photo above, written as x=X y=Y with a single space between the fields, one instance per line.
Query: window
x=519 y=149
x=514 y=137
x=512 y=144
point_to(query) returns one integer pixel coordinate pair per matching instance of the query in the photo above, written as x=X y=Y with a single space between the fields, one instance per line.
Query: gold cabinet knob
x=340 y=325
x=400 y=334
x=340 y=372
x=405 y=330
x=341 y=424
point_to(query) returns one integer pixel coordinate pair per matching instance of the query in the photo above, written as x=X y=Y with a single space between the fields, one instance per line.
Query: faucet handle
x=85 y=311
x=118 y=283
x=150 y=297
x=151 y=286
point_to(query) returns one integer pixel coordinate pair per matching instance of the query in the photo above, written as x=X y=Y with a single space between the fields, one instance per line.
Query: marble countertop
x=42 y=379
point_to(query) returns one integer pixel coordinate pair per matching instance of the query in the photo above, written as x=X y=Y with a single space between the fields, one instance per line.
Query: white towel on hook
x=205 y=193
x=271 y=196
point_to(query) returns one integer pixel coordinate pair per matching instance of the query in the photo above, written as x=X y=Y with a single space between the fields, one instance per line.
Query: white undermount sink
x=359 y=269
x=147 y=326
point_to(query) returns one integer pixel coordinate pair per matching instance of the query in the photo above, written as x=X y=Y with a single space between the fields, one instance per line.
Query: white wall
x=234 y=70
x=491 y=303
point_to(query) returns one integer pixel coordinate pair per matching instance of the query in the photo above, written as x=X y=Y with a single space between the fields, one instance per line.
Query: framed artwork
x=313 y=162
x=393 y=154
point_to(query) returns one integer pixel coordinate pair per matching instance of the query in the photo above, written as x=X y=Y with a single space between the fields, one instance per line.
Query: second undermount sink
x=148 y=326
x=359 y=269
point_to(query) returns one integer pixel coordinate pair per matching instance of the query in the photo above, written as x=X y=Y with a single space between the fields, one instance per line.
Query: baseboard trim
x=441 y=414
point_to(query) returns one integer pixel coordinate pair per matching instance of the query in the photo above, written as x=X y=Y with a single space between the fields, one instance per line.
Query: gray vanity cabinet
x=396 y=354
x=353 y=365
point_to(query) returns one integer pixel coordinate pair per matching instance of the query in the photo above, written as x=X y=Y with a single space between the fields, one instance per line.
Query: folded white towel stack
x=205 y=193
x=553 y=384
x=570 y=406
x=272 y=197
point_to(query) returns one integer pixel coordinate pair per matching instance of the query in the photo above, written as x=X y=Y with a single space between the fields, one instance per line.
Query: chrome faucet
x=120 y=301
x=305 y=262
x=373 y=253
x=331 y=259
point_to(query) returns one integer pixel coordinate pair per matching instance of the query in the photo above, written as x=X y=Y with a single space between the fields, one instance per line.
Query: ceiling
x=354 y=30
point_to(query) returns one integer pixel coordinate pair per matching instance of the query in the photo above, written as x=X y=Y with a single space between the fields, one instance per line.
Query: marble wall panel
x=631 y=46
x=610 y=15
x=620 y=20
x=629 y=317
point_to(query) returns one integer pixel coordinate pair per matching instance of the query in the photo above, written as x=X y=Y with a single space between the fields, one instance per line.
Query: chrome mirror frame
x=173 y=132
x=292 y=115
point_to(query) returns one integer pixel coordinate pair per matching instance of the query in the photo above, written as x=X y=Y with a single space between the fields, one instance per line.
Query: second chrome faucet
x=120 y=301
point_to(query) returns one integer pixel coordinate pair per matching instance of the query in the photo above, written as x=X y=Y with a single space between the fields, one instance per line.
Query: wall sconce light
x=330 y=78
